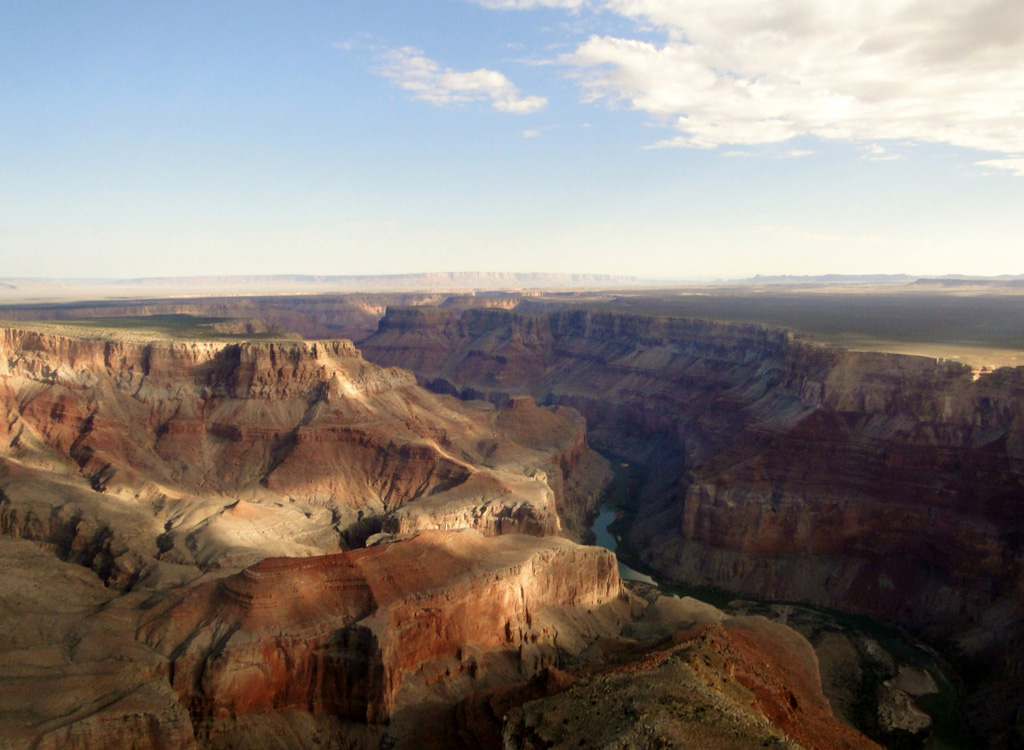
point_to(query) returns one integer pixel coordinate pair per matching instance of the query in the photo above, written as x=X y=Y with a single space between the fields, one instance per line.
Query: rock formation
x=685 y=675
x=883 y=484
x=237 y=451
x=276 y=543
x=145 y=471
x=367 y=633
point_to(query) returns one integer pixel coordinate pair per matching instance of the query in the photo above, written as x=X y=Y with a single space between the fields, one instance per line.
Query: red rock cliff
x=345 y=634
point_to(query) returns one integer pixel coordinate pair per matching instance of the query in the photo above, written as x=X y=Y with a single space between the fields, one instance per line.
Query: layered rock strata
x=244 y=450
x=365 y=633
x=883 y=484
x=326 y=316
x=684 y=675
x=187 y=492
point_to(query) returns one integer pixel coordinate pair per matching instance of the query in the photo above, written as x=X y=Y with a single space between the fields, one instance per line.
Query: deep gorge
x=308 y=506
x=878 y=484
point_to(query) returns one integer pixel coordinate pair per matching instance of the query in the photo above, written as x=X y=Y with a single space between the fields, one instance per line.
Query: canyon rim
x=219 y=535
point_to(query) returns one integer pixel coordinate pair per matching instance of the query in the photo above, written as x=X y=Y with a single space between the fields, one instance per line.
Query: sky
x=672 y=139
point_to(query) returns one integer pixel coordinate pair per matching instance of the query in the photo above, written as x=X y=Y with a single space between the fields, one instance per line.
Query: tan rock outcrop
x=71 y=673
x=710 y=681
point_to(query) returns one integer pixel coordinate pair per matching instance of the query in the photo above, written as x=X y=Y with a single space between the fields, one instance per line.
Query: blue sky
x=656 y=138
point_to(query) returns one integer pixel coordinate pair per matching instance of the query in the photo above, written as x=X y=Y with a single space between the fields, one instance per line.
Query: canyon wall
x=277 y=538
x=200 y=511
x=303 y=446
x=882 y=484
x=217 y=544
x=311 y=316
x=363 y=634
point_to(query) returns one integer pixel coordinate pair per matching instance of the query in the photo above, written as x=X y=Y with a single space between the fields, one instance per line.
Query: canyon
x=274 y=543
x=166 y=467
x=241 y=538
x=882 y=484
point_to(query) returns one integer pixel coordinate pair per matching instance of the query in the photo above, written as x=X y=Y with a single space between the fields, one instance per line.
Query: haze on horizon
x=651 y=138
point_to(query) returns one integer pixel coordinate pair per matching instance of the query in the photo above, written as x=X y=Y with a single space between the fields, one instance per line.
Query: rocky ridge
x=368 y=633
x=302 y=446
x=197 y=493
x=882 y=484
x=684 y=674
x=277 y=544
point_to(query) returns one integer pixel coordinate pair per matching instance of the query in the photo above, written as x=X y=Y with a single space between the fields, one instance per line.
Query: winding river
x=606 y=539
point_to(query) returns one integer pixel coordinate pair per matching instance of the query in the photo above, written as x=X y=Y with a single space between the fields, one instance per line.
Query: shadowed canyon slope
x=882 y=484
x=279 y=544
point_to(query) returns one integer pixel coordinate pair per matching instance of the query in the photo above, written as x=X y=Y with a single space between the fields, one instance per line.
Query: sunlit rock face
x=364 y=633
x=737 y=686
x=683 y=674
x=224 y=418
x=226 y=453
x=199 y=510
x=884 y=484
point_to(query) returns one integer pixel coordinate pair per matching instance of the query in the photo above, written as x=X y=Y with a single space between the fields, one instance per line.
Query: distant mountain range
x=947 y=282
x=21 y=290
x=831 y=278
x=447 y=280
x=950 y=280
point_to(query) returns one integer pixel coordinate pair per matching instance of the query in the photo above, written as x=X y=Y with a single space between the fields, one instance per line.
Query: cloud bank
x=426 y=80
x=749 y=72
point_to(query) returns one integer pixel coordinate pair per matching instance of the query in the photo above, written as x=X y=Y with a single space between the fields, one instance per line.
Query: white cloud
x=359 y=43
x=877 y=152
x=425 y=79
x=791 y=154
x=1015 y=165
x=531 y=134
x=751 y=72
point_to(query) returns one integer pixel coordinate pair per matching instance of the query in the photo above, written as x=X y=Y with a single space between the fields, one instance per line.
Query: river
x=605 y=539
